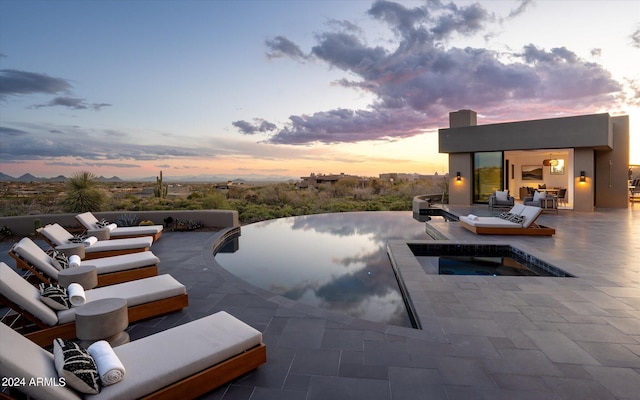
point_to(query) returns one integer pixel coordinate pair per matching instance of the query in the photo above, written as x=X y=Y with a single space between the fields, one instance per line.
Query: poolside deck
x=483 y=337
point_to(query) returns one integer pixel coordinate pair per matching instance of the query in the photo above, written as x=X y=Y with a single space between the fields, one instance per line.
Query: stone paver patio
x=482 y=337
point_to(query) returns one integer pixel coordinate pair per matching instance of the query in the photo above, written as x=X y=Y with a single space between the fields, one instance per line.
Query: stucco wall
x=556 y=133
x=25 y=225
x=460 y=192
x=612 y=168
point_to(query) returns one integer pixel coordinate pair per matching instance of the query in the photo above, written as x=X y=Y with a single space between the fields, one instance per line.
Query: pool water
x=334 y=261
x=474 y=265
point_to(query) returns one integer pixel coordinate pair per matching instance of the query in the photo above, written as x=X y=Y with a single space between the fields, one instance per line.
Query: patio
x=482 y=337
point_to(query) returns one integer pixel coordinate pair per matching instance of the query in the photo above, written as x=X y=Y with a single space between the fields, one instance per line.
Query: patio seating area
x=482 y=336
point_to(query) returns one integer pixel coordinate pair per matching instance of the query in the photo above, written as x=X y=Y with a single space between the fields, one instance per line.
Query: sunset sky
x=287 y=88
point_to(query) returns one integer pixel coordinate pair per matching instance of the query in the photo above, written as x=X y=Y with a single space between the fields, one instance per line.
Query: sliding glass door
x=488 y=173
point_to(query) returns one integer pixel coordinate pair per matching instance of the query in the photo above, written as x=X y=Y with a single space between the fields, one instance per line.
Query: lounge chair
x=146 y=298
x=57 y=236
x=499 y=226
x=110 y=270
x=183 y=362
x=91 y=223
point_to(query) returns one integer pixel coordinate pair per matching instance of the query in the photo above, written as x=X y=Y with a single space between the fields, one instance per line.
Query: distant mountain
x=220 y=178
x=192 y=178
x=60 y=178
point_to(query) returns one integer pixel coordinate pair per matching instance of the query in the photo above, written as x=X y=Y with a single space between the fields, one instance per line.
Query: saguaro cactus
x=161 y=189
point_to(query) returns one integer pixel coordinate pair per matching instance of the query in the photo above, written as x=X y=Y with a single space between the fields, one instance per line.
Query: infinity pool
x=336 y=262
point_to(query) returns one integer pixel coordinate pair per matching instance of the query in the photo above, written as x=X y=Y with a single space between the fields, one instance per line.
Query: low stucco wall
x=25 y=225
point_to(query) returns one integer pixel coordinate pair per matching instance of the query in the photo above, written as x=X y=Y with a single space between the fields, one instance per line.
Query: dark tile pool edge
x=530 y=261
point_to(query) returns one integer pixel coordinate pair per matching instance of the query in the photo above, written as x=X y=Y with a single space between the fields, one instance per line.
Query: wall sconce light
x=458 y=177
x=583 y=178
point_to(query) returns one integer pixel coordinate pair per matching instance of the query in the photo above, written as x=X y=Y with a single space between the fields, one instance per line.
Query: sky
x=286 y=88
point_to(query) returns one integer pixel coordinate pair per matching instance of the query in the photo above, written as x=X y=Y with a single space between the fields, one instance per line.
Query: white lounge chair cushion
x=490 y=222
x=37 y=257
x=136 y=292
x=21 y=358
x=517 y=208
x=530 y=214
x=34 y=255
x=59 y=236
x=169 y=356
x=15 y=288
x=123 y=262
x=89 y=221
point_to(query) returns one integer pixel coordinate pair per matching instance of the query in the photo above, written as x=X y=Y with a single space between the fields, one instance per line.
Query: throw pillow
x=505 y=215
x=502 y=195
x=58 y=259
x=103 y=223
x=518 y=219
x=77 y=238
x=55 y=296
x=76 y=366
x=539 y=195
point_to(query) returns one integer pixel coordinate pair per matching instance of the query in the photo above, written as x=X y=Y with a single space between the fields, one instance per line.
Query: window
x=487 y=175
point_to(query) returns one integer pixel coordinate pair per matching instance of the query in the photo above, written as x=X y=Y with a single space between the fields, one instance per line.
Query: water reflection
x=333 y=261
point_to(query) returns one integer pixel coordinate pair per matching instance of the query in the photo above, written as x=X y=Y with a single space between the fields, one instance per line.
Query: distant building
x=315 y=180
x=404 y=177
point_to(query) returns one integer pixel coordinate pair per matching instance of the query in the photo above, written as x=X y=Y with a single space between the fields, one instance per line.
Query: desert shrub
x=82 y=193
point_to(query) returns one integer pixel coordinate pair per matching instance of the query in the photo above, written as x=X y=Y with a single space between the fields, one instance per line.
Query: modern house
x=588 y=155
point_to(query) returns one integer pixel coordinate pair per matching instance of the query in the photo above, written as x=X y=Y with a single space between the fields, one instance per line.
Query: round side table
x=104 y=319
x=85 y=275
x=70 y=249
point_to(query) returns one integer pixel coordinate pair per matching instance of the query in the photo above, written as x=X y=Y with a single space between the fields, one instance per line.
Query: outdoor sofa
x=183 y=362
x=58 y=236
x=146 y=298
x=110 y=270
x=91 y=224
x=526 y=225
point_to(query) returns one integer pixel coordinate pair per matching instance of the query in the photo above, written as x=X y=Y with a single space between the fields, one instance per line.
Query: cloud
x=11 y=131
x=41 y=142
x=259 y=125
x=418 y=76
x=15 y=82
x=635 y=38
x=283 y=47
x=73 y=103
x=520 y=9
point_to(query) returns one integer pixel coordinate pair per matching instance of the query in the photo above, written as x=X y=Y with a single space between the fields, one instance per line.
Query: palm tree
x=82 y=194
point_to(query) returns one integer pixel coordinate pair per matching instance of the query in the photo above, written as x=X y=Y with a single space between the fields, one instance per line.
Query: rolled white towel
x=111 y=227
x=90 y=240
x=74 y=261
x=110 y=368
x=76 y=294
x=473 y=217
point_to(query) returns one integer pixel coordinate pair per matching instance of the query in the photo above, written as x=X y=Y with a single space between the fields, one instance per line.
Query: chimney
x=461 y=118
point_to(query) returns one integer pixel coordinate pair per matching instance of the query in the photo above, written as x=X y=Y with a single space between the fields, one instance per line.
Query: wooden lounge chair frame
x=98 y=254
x=217 y=375
x=155 y=236
x=103 y=279
x=44 y=334
x=533 y=230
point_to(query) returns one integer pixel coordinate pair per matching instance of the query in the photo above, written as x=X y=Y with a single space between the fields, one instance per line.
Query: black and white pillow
x=103 y=223
x=55 y=296
x=78 y=238
x=76 y=366
x=58 y=259
x=518 y=219
x=505 y=215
